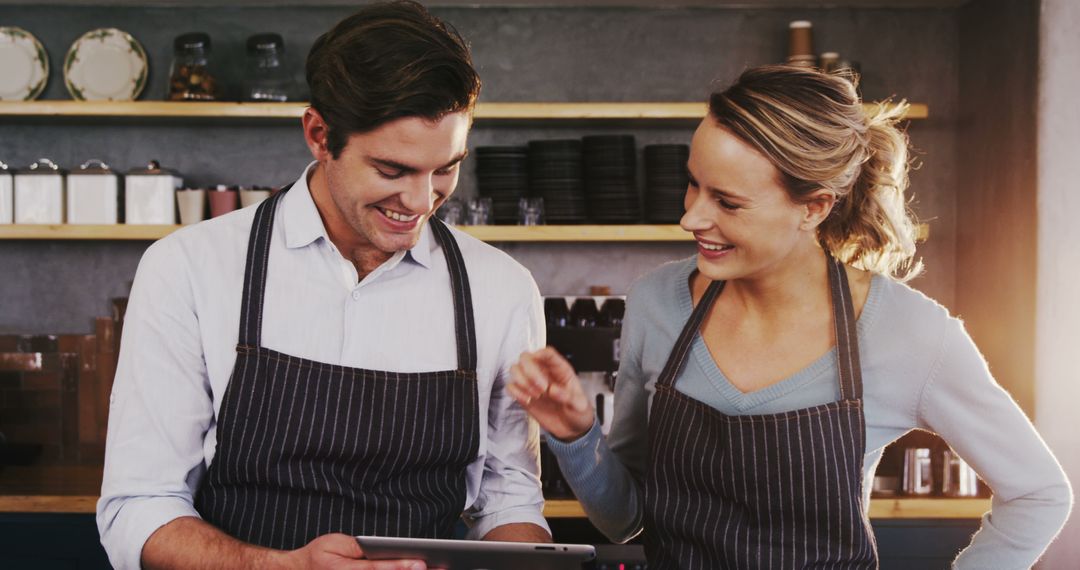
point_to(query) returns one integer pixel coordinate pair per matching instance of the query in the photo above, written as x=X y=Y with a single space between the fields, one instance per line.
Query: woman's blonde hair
x=812 y=127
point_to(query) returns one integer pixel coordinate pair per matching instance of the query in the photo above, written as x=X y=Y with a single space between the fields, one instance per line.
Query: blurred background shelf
x=276 y=111
x=552 y=233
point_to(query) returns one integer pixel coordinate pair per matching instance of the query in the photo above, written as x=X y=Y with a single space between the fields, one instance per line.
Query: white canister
x=93 y=194
x=39 y=194
x=7 y=195
x=150 y=195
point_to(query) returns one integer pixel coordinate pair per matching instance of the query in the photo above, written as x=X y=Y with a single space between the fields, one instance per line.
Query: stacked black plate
x=555 y=174
x=665 y=182
x=611 y=179
x=502 y=174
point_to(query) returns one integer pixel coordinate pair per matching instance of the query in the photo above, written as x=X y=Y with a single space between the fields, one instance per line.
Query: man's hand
x=193 y=544
x=342 y=552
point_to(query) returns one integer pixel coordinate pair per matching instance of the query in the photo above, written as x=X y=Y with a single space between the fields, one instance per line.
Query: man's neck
x=363 y=255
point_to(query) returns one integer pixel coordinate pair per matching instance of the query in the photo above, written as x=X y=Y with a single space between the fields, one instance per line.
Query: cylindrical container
x=223 y=199
x=583 y=313
x=252 y=196
x=93 y=194
x=611 y=312
x=191 y=77
x=191 y=202
x=556 y=312
x=7 y=195
x=959 y=479
x=918 y=473
x=801 y=44
x=150 y=195
x=265 y=76
x=828 y=60
x=39 y=194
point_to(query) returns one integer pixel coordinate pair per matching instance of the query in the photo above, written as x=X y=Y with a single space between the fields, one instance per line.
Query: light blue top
x=920 y=370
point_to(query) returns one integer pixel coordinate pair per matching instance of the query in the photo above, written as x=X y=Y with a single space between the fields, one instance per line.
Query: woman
x=761 y=379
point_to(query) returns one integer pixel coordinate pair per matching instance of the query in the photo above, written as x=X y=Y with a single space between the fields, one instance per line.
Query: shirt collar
x=302 y=222
x=303 y=225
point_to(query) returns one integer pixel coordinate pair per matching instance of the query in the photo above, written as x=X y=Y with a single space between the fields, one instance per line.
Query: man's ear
x=316 y=132
x=816 y=207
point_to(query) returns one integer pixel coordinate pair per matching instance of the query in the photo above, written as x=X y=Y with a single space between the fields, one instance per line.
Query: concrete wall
x=1057 y=316
x=524 y=54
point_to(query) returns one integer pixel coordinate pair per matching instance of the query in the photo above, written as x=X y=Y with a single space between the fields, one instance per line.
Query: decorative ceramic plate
x=106 y=64
x=24 y=65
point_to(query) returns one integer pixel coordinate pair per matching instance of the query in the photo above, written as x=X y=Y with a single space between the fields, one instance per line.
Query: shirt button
x=356 y=295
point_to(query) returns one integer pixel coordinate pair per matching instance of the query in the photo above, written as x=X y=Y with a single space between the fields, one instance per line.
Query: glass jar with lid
x=191 y=77
x=265 y=75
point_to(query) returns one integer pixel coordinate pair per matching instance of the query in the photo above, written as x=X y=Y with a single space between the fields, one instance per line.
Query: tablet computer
x=480 y=554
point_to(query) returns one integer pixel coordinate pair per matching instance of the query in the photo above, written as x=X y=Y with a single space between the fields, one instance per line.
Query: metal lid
x=153 y=168
x=192 y=41
x=42 y=166
x=265 y=43
x=95 y=166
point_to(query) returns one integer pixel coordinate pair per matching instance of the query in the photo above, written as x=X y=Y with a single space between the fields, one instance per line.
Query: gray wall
x=524 y=54
x=1057 y=378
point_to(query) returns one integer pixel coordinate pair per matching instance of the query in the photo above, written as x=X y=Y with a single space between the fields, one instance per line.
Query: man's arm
x=193 y=544
x=161 y=409
x=510 y=502
x=519 y=532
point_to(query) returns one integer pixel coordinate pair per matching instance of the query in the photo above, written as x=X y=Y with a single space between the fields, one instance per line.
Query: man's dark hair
x=388 y=61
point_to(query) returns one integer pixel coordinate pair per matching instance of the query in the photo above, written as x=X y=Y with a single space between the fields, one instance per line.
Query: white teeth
x=398 y=217
x=713 y=247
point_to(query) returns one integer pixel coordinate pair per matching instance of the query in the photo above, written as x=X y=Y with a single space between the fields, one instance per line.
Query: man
x=333 y=362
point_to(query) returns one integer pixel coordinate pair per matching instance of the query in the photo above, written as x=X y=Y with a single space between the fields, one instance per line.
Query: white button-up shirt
x=179 y=347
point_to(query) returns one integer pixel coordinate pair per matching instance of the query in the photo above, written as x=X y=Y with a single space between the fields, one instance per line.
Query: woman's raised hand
x=545 y=384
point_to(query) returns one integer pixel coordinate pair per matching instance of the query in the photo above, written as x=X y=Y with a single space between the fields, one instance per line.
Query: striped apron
x=306 y=448
x=760 y=491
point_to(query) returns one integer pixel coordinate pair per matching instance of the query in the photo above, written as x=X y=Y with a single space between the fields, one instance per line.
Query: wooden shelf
x=936 y=508
x=583 y=233
x=879 y=508
x=292 y=111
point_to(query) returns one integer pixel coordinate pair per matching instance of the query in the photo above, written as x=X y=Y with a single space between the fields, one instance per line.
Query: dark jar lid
x=192 y=41
x=265 y=43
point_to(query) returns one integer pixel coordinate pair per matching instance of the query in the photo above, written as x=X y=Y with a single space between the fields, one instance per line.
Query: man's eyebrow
x=408 y=169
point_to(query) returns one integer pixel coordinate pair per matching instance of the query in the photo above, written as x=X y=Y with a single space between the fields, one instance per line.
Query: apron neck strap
x=258 y=253
x=463 y=304
x=847 y=337
x=255 y=282
x=847 y=341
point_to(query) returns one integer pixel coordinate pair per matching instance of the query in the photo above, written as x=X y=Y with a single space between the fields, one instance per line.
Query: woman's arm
x=965 y=405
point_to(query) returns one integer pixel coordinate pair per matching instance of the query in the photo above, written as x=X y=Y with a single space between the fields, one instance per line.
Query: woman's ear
x=816 y=207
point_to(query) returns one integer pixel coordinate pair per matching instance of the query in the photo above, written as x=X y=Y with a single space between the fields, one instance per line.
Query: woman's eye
x=727 y=205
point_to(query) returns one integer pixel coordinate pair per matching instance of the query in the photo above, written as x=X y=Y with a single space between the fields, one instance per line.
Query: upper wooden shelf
x=583 y=233
x=279 y=111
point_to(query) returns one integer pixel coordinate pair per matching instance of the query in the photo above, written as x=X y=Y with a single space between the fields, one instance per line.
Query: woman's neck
x=793 y=284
